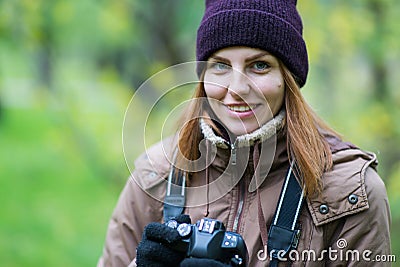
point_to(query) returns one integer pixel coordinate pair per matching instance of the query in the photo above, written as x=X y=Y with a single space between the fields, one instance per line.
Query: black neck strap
x=174 y=201
x=283 y=235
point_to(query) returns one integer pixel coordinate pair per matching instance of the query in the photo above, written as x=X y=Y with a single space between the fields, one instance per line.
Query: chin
x=241 y=130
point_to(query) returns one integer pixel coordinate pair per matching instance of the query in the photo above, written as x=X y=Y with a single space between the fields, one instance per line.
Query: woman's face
x=244 y=87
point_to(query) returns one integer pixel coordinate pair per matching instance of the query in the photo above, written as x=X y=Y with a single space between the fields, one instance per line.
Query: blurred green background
x=68 y=69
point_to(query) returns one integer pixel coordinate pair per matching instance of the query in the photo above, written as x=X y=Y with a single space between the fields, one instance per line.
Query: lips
x=241 y=108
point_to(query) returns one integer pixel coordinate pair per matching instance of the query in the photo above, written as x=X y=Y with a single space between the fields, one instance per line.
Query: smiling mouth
x=241 y=108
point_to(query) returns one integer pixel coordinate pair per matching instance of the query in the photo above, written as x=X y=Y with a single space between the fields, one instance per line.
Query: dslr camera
x=208 y=239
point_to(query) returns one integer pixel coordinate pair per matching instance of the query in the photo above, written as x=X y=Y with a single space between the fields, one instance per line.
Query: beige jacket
x=347 y=225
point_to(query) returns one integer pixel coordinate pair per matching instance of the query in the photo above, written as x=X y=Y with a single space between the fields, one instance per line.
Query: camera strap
x=283 y=235
x=174 y=201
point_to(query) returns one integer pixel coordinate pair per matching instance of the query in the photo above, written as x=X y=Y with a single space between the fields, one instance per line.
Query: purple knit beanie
x=271 y=25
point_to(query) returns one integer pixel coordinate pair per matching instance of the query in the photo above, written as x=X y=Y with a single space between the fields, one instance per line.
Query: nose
x=239 y=84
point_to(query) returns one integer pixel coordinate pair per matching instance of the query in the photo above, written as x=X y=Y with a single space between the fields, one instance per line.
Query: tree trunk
x=377 y=52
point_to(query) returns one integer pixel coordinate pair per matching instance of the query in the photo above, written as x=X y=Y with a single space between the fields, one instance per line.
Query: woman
x=247 y=128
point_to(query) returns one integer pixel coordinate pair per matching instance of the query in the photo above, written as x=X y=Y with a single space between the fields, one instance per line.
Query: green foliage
x=55 y=204
x=69 y=68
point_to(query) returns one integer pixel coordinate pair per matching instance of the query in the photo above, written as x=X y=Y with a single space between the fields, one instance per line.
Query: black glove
x=153 y=249
x=195 y=262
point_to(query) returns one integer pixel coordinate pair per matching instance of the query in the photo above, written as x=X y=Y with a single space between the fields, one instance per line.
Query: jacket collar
x=271 y=138
x=261 y=134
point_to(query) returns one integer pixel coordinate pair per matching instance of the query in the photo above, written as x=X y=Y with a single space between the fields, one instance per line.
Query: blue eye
x=219 y=66
x=261 y=66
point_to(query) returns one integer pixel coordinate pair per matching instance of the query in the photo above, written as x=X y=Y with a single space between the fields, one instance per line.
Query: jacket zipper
x=241 y=193
x=239 y=210
x=233 y=154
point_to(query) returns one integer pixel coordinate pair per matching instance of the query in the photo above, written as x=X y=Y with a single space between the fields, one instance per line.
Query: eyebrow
x=256 y=56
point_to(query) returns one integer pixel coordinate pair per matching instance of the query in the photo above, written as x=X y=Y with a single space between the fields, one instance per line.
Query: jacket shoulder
x=153 y=165
x=344 y=188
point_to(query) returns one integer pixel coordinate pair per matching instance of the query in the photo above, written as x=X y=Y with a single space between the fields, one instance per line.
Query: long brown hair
x=305 y=142
x=190 y=134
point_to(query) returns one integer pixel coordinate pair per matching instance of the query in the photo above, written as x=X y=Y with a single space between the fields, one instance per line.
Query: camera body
x=209 y=239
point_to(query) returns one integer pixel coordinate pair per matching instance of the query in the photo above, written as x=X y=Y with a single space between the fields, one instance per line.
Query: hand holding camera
x=154 y=250
x=179 y=243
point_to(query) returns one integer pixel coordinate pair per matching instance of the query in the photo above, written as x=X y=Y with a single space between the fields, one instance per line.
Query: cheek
x=214 y=91
x=273 y=90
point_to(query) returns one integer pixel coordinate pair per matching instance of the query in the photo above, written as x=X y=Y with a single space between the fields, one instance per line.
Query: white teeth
x=240 y=108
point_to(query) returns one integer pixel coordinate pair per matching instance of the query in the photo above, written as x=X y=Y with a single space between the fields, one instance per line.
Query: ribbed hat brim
x=257 y=29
